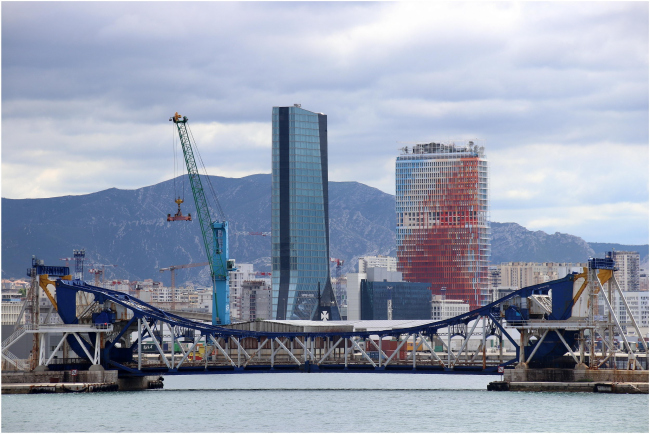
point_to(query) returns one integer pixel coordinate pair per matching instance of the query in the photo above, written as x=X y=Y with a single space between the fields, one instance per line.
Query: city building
x=522 y=274
x=387 y=262
x=643 y=280
x=443 y=234
x=637 y=301
x=494 y=276
x=243 y=273
x=10 y=310
x=256 y=300
x=395 y=300
x=442 y=308
x=501 y=291
x=628 y=272
x=301 y=283
x=383 y=268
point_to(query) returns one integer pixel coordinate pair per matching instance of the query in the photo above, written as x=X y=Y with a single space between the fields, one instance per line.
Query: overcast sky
x=556 y=92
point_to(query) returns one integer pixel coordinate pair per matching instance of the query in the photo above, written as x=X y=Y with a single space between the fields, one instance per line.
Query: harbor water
x=297 y=402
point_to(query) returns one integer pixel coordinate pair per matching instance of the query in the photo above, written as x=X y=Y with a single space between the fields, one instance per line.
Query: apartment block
x=256 y=300
x=442 y=309
x=628 y=272
x=522 y=274
x=387 y=262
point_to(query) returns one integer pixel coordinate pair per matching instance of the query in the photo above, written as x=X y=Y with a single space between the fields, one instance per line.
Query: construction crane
x=215 y=232
x=173 y=269
x=263 y=234
x=97 y=271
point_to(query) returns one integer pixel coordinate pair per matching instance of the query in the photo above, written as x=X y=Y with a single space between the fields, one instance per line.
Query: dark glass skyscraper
x=300 y=232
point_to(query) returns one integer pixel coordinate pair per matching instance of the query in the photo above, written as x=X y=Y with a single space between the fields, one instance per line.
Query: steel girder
x=230 y=349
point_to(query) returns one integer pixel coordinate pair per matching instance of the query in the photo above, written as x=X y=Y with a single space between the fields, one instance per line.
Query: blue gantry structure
x=553 y=324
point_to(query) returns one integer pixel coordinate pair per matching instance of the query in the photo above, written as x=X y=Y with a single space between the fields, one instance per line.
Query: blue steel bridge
x=555 y=324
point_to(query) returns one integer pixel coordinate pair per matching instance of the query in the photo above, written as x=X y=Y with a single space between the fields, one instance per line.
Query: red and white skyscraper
x=443 y=233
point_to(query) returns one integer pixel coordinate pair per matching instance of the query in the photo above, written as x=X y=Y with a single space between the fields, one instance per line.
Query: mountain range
x=128 y=229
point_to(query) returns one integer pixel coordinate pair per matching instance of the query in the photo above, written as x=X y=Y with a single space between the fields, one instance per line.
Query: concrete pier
x=554 y=386
x=97 y=380
x=572 y=380
x=23 y=388
x=575 y=375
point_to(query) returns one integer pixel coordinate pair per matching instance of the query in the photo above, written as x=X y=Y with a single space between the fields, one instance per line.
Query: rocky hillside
x=512 y=242
x=128 y=228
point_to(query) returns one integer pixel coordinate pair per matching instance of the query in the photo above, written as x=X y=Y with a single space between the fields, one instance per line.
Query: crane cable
x=177 y=171
x=222 y=215
x=175 y=163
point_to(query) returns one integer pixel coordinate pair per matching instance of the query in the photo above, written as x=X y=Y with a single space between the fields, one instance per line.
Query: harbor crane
x=215 y=232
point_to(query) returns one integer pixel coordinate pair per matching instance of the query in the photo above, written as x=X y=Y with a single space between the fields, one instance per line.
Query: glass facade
x=395 y=300
x=443 y=234
x=300 y=221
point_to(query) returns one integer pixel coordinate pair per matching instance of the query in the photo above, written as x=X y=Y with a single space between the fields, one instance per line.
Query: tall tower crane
x=215 y=233
x=172 y=270
x=99 y=270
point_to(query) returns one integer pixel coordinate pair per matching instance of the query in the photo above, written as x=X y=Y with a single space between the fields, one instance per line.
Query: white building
x=243 y=273
x=204 y=298
x=380 y=261
x=628 y=271
x=442 y=309
x=10 y=311
x=522 y=274
x=638 y=303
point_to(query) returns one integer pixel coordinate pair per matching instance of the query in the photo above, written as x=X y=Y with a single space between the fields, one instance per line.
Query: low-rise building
x=442 y=309
x=522 y=274
x=379 y=261
x=371 y=270
x=384 y=300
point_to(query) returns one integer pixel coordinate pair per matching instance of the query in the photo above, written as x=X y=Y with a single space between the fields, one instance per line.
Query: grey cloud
x=525 y=73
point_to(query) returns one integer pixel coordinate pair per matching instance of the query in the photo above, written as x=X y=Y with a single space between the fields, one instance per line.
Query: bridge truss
x=112 y=329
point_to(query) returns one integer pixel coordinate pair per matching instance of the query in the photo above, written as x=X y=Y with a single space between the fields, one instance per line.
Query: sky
x=556 y=92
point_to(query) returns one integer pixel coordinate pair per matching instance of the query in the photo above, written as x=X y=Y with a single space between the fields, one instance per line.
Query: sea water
x=320 y=402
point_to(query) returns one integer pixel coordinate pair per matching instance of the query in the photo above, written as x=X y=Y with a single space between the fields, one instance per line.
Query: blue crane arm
x=215 y=234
